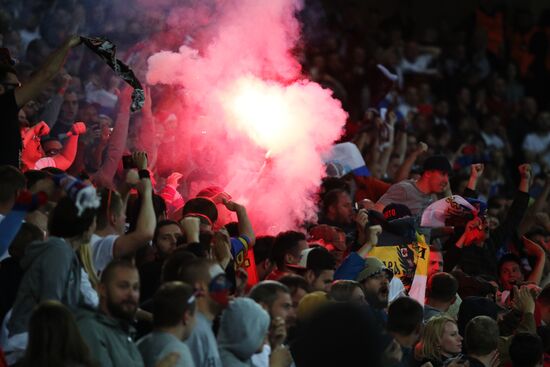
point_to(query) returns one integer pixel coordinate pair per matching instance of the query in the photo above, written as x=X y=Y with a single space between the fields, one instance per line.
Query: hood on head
x=243 y=327
x=37 y=248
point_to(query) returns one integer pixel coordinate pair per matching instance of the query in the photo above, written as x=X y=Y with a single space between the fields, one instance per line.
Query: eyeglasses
x=52 y=152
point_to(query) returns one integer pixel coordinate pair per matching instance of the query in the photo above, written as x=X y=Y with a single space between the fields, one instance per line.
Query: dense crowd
x=432 y=242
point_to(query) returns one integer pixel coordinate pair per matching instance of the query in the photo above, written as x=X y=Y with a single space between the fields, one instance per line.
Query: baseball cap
x=437 y=163
x=395 y=232
x=318 y=258
x=201 y=207
x=373 y=266
x=395 y=211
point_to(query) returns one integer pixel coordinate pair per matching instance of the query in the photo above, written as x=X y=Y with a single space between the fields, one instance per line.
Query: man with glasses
x=13 y=96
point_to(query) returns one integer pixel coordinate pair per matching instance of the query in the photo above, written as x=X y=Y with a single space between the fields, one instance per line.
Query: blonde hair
x=85 y=256
x=429 y=346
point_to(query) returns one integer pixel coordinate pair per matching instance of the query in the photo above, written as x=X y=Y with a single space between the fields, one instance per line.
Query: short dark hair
x=263 y=248
x=267 y=291
x=171 y=302
x=442 y=287
x=284 y=243
x=11 y=180
x=294 y=282
x=195 y=270
x=133 y=209
x=481 y=336
x=526 y=350
x=320 y=259
x=342 y=290
x=64 y=220
x=405 y=315
x=33 y=176
x=507 y=259
x=437 y=163
x=171 y=268
x=163 y=223
x=332 y=183
x=107 y=274
x=331 y=198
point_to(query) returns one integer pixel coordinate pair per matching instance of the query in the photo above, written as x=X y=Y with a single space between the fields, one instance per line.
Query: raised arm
x=53 y=64
x=129 y=243
x=245 y=226
x=66 y=157
x=117 y=141
x=405 y=169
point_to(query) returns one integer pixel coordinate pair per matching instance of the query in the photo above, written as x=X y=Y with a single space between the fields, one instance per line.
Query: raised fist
x=78 y=128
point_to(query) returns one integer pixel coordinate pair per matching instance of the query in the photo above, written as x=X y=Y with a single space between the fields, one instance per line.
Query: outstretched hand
x=525 y=171
x=476 y=169
x=231 y=205
x=73 y=41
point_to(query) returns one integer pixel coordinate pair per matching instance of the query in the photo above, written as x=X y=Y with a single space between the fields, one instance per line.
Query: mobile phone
x=128 y=162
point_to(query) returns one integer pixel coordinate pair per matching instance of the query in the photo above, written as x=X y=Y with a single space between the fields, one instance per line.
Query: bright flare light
x=263 y=111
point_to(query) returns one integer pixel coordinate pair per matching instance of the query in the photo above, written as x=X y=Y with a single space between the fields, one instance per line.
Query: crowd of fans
x=433 y=240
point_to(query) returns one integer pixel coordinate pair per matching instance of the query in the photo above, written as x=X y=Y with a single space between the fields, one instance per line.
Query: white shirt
x=44 y=162
x=102 y=255
x=102 y=250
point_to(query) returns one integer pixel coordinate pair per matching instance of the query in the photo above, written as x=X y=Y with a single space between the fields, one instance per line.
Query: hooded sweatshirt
x=243 y=327
x=52 y=272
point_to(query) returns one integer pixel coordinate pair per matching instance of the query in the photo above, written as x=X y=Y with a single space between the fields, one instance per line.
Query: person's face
x=119 y=222
x=435 y=263
x=343 y=209
x=33 y=152
x=498 y=210
x=510 y=274
x=190 y=321
x=121 y=294
x=89 y=114
x=377 y=291
x=323 y=282
x=358 y=296
x=451 y=341
x=293 y=257
x=69 y=108
x=167 y=239
x=476 y=231
x=52 y=148
x=296 y=298
x=282 y=307
x=438 y=181
x=393 y=353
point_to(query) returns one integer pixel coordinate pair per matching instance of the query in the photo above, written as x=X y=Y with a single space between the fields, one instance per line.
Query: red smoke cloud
x=243 y=116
